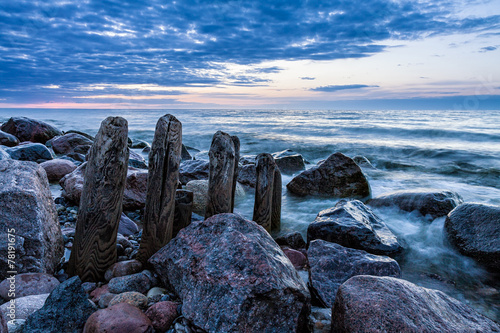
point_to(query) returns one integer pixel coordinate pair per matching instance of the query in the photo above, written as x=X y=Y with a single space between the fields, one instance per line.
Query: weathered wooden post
x=163 y=177
x=183 y=210
x=236 y=142
x=264 y=193
x=276 y=210
x=221 y=175
x=94 y=247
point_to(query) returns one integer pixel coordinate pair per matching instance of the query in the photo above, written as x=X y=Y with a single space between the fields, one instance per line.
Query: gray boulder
x=58 y=168
x=137 y=161
x=289 y=161
x=27 y=211
x=337 y=176
x=247 y=175
x=24 y=306
x=127 y=227
x=30 y=152
x=4 y=155
x=67 y=143
x=26 y=129
x=193 y=170
x=8 y=140
x=385 y=304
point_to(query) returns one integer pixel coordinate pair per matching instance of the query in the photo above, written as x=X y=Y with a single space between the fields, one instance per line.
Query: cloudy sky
x=250 y=54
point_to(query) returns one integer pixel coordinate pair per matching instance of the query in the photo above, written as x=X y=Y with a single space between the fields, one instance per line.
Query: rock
x=139 y=144
x=90 y=137
x=89 y=287
x=332 y=264
x=124 y=268
x=28 y=284
x=363 y=162
x=72 y=184
x=4 y=155
x=185 y=155
x=66 y=310
x=78 y=157
x=97 y=293
x=135 y=282
x=247 y=175
x=156 y=291
x=127 y=227
x=247 y=159
x=119 y=318
x=16 y=325
x=130 y=297
x=291 y=239
x=200 y=194
x=3 y=324
x=298 y=259
x=24 y=306
x=338 y=176
x=27 y=211
x=137 y=161
x=58 y=168
x=193 y=170
x=26 y=129
x=474 y=229
x=8 y=140
x=289 y=161
x=162 y=315
x=67 y=143
x=385 y=304
x=232 y=277
x=30 y=152
x=434 y=203
x=105 y=299
x=352 y=224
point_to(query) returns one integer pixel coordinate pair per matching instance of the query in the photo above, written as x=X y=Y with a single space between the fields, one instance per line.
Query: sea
x=456 y=150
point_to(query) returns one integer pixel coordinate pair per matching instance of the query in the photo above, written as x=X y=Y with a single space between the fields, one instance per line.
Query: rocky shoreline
x=225 y=273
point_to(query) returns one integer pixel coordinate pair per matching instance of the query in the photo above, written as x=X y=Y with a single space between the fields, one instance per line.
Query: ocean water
x=455 y=150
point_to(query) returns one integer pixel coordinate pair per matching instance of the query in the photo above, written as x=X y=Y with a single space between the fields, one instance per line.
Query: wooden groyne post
x=163 y=177
x=236 y=142
x=94 y=247
x=267 y=206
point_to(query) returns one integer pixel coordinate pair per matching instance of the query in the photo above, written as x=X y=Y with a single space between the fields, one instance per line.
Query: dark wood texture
x=183 y=210
x=221 y=175
x=263 y=206
x=236 y=142
x=94 y=247
x=163 y=178
x=276 y=209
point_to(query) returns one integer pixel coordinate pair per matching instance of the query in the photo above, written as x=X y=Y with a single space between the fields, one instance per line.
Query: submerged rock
x=352 y=224
x=232 y=277
x=474 y=229
x=68 y=143
x=337 y=176
x=119 y=318
x=332 y=264
x=26 y=129
x=434 y=203
x=30 y=152
x=289 y=161
x=193 y=170
x=385 y=304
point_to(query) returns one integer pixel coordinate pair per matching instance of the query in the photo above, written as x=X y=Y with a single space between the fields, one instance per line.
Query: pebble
x=131 y=297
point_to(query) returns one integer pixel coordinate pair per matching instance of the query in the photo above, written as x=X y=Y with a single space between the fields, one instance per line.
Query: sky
x=352 y=54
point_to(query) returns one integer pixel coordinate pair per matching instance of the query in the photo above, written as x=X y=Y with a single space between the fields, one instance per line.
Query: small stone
x=105 y=299
x=162 y=315
x=135 y=282
x=298 y=259
x=119 y=318
x=131 y=297
x=156 y=291
x=97 y=293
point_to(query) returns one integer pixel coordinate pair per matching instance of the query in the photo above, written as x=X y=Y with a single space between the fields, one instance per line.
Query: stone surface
x=385 y=304
x=119 y=318
x=247 y=175
x=25 y=306
x=29 y=284
x=30 y=152
x=127 y=227
x=338 y=176
x=162 y=315
x=352 y=224
x=193 y=170
x=3 y=154
x=289 y=162
x=26 y=129
x=291 y=239
x=3 y=324
x=137 y=161
x=66 y=144
x=434 y=203
x=332 y=264
x=28 y=211
x=232 y=277
x=97 y=293
x=185 y=155
x=200 y=194
x=58 y=168
x=139 y=282
x=298 y=259
x=8 y=140
x=66 y=310
x=124 y=268
x=130 y=297
x=475 y=230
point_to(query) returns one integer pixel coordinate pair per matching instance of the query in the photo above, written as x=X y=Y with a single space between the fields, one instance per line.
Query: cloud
x=488 y=48
x=342 y=87
x=308 y=78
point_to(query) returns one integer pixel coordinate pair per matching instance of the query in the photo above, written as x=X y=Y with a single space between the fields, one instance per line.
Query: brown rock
x=66 y=144
x=97 y=293
x=162 y=315
x=297 y=258
x=58 y=168
x=123 y=268
x=26 y=129
x=119 y=318
x=29 y=284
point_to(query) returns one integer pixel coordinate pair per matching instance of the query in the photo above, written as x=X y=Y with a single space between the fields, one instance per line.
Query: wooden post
x=183 y=210
x=276 y=210
x=163 y=177
x=94 y=247
x=221 y=175
x=236 y=142
x=264 y=193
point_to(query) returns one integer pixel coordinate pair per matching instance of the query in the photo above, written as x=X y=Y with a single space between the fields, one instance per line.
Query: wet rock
x=338 y=176
x=289 y=161
x=30 y=152
x=26 y=129
x=119 y=318
x=352 y=224
x=363 y=162
x=28 y=211
x=88 y=136
x=247 y=159
x=124 y=268
x=162 y=315
x=25 y=306
x=139 y=144
x=97 y=293
x=28 y=284
x=247 y=175
x=291 y=239
x=130 y=297
x=137 y=161
x=8 y=140
x=127 y=227
x=3 y=154
x=200 y=194
x=135 y=282
x=66 y=310
x=58 y=168
x=385 y=304
x=332 y=264
x=185 y=155
x=232 y=276
x=193 y=170
x=474 y=229
x=67 y=143
x=298 y=259
x=434 y=203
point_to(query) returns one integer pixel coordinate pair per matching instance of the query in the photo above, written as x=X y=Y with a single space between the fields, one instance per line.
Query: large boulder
x=332 y=264
x=23 y=306
x=247 y=175
x=385 y=304
x=8 y=140
x=475 y=230
x=200 y=194
x=26 y=129
x=289 y=161
x=58 y=168
x=119 y=318
x=66 y=310
x=30 y=152
x=352 y=224
x=28 y=220
x=337 y=176
x=193 y=170
x=67 y=143
x=232 y=277
x=434 y=203
x=27 y=284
